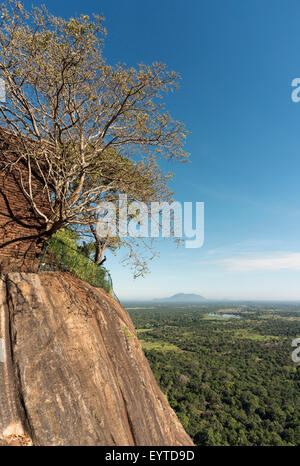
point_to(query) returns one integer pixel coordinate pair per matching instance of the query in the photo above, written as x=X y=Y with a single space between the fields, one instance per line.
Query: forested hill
x=182 y=298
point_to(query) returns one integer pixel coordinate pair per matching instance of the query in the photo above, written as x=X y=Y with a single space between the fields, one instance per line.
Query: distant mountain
x=182 y=298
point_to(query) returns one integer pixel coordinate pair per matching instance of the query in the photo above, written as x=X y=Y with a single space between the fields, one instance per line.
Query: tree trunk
x=99 y=250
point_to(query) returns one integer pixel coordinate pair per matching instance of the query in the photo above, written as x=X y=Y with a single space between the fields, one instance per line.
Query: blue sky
x=237 y=60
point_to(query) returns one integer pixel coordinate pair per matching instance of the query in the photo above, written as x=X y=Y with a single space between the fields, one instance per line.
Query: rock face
x=72 y=371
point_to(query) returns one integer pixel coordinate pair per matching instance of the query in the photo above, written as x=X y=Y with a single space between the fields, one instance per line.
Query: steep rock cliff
x=72 y=371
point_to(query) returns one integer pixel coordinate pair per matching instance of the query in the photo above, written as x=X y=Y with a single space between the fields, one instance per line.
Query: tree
x=87 y=129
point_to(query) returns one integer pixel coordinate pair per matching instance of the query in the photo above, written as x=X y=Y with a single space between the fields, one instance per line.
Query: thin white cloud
x=284 y=261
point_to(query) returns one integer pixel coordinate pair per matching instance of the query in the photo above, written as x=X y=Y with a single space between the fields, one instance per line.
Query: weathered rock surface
x=72 y=371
